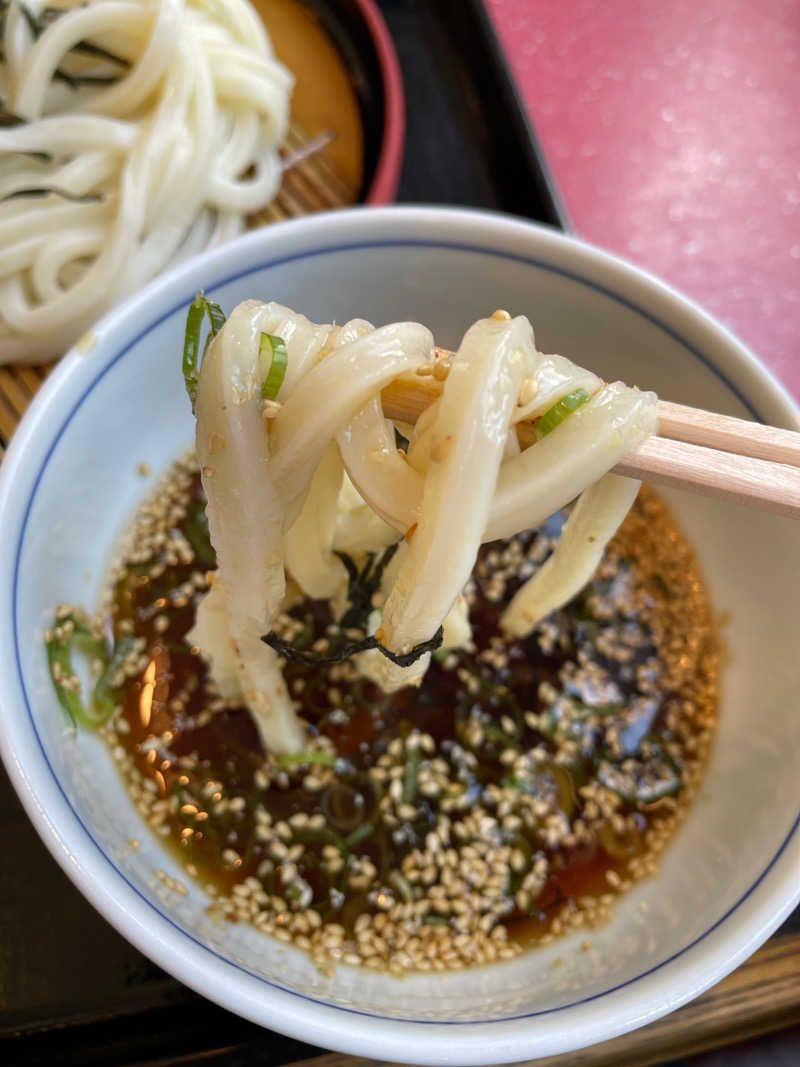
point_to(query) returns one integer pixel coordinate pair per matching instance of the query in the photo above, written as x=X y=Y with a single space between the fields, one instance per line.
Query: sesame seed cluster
x=509 y=800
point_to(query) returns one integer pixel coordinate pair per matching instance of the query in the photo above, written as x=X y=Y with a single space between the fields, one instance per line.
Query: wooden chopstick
x=716 y=455
x=758 y=482
x=681 y=423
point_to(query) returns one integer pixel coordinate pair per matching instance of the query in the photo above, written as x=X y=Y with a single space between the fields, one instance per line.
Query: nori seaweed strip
x=362 y=585
x=75 y=198
x=350 y=648
x=360 y=589
x=381 y=565
x=37 y=26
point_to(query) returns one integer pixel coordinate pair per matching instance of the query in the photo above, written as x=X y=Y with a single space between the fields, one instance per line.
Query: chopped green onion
x=307 y=835
x=359 y=834
x=620 y=847
x=191 y=347
x=402 y=885
x=292 y=759
x=59 y=659
x=411 y=775
x=273 y=360
x=85 y=641
x=555 y=415
x=496 y=734
x=60 y=663
x=565 y=787
x=216 y=316
x=103 y=705
x=513 y=781
x=199 y=307
x=435 y=920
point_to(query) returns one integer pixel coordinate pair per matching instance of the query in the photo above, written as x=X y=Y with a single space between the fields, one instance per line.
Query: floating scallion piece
x=308 y=835
x=59 y=659
x=198 y=308
x=618 y=846
x=102 y=702
x=71 y=633
x=513 y=781
x=273 y=359
x=361 y=833
x=216 y=316
x=191 y=346
x=402 y=885
x=411 y=775
x=555 y=415
x=293 y=759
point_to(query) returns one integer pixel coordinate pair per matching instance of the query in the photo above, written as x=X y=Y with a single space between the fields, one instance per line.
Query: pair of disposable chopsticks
x=716 y=455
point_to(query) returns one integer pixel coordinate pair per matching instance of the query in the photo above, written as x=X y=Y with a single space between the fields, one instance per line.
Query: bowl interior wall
x=136 y=410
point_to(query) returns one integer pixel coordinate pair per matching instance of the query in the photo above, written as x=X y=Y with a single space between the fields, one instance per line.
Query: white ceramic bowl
x=70 y=480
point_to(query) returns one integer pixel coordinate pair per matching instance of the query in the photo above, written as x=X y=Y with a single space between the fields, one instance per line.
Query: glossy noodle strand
x=293 y=481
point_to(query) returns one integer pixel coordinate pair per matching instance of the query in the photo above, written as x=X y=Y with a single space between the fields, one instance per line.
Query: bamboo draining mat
x=310 y=185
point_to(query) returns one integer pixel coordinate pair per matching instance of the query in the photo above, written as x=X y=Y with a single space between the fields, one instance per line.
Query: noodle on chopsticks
x=308 y=490
x=133 y=134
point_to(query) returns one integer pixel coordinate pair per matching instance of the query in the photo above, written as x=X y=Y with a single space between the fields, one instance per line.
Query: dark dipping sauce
x=509 y=799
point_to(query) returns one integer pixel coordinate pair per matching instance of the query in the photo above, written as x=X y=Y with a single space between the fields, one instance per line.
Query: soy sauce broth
x=509 y=799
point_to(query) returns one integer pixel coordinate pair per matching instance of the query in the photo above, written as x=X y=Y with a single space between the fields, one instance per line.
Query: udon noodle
x=134 y=133
x=315 y=469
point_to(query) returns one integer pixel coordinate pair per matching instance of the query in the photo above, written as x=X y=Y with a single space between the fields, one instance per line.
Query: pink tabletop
x=673 y=134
